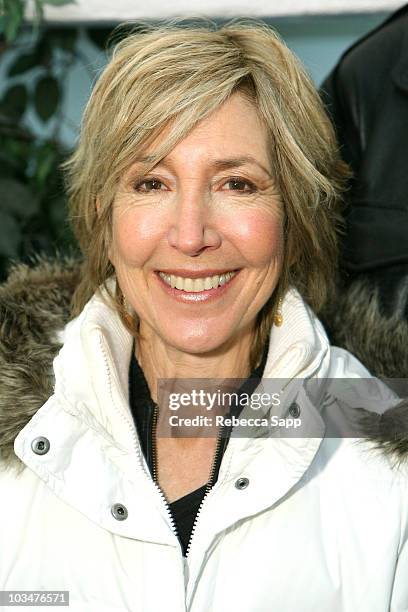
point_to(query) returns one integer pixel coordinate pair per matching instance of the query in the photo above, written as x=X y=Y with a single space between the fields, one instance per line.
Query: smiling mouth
x=196 y=285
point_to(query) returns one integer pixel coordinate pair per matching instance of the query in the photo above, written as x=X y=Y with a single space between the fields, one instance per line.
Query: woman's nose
x=193 y=229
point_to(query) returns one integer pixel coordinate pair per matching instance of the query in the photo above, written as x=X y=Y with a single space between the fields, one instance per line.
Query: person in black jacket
x=367 y=97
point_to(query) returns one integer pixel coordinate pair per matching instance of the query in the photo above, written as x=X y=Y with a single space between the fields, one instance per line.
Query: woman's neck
x=159 y=360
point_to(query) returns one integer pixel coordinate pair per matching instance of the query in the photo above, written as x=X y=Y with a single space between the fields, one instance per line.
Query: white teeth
x=208 y=283
x=179 y=282
x=188 y=284
x=194 y=285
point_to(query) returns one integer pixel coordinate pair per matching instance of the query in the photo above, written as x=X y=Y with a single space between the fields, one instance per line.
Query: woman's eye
x=237 y=184
x=149 y=185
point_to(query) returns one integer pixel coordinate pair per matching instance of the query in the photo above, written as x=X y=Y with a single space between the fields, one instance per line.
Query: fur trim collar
x=35 y=306
x=356 y=323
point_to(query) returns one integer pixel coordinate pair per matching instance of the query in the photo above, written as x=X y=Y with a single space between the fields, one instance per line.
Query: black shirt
x=185 y=509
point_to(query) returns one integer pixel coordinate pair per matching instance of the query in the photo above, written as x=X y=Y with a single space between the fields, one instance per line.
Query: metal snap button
x=119 y=512
x=40 y=445
x=241 y=483
x=294 y=410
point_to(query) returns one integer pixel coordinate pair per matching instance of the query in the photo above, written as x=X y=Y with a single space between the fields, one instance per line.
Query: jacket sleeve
x=399 y=598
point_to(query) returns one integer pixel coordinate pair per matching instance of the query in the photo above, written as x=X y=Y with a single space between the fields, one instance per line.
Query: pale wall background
x=317 y=31
x=106 y=10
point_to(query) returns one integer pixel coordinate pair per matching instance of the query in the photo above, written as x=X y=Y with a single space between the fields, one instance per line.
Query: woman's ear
x=98 y=206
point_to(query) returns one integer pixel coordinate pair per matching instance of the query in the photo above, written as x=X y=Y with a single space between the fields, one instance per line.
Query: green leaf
x=23 y=63
x=14 y=102
x=46 y=97
x=46 y=159
x=10 y=236
x=18 y=151
x=63 y=38
x=8 y=167
x=14 y=14
x=16 y=199
x=43 y=50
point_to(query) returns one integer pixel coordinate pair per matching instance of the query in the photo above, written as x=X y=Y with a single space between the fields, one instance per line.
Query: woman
x=204 y=194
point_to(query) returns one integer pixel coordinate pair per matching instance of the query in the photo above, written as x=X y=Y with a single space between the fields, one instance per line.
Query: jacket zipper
x=154 y=469
x=153 y=440
x=208 y=488
x=209 y=485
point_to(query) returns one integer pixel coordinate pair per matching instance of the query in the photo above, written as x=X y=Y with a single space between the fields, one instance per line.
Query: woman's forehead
x=232 y=136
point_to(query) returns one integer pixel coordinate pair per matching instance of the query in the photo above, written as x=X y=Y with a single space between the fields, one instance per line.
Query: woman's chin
x=199 y=339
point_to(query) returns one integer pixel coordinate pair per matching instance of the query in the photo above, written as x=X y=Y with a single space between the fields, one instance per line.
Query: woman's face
x=198 y=242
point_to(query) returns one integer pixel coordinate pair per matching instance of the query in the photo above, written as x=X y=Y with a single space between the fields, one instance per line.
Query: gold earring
x=127 y=309
x=278 y=317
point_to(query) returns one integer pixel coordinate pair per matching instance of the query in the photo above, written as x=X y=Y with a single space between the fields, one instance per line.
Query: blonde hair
x=172 y=76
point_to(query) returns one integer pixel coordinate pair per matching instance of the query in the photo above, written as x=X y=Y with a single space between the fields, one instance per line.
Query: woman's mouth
x=196 y=287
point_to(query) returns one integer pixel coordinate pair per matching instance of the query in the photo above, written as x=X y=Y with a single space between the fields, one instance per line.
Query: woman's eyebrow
x=218 y=164
x=236 y=162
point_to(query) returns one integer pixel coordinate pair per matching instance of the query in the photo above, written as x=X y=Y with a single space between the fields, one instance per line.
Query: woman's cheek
x=136 y=235
x=260 y=234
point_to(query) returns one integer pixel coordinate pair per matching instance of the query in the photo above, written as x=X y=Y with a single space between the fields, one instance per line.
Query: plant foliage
x=36 y=59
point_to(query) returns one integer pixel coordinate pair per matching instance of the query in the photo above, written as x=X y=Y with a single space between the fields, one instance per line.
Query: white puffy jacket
x=321 y=526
